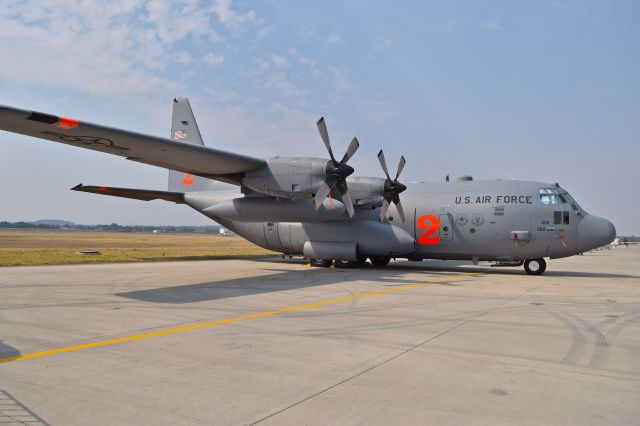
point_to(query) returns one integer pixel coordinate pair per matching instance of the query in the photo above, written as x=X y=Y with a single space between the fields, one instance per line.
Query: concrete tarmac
x=209 y=343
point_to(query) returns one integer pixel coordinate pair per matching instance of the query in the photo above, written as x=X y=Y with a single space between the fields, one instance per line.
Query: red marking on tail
x=188 y=180
x=66 y=123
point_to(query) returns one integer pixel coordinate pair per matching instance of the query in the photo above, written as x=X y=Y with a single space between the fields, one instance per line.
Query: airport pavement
x=211 y=342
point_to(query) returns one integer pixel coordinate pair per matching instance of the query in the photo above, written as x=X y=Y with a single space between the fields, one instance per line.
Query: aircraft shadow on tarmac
x=282 y=280
x=464 y=266
x=286 y=279
x=7 y=351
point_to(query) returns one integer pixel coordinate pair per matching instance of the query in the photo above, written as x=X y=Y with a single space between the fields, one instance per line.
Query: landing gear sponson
x=361 y=260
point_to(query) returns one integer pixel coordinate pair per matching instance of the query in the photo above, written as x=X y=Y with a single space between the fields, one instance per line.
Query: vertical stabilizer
x=185 y=129
x=183 y=123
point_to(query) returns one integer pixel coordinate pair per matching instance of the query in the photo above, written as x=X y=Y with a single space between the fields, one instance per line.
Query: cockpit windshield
x=557 y=196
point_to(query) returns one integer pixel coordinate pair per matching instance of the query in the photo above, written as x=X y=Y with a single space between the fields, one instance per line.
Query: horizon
x=544 y=91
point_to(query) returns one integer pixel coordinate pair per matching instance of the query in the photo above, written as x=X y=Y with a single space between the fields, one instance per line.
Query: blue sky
x=546 y=90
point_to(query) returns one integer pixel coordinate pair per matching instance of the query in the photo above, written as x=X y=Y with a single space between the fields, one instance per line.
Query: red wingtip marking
x=66 y=123
x=188 y=180
x=103 y=188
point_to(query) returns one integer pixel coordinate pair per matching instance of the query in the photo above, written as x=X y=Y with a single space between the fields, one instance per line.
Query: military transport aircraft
x=314 y=206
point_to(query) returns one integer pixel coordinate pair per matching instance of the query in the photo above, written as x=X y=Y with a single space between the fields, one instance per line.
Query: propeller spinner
x=337 y=171
x=392 y=188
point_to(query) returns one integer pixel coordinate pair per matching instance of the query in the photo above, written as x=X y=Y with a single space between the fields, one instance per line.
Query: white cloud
x=109 y=48
x=384 y=44
x=230 y=18
x=339 y=80
x=279 y=61
x=334 y=39
x=213 y=59
x=491 y=25
x=279 y=82
x=293 y=52
x=182 y=57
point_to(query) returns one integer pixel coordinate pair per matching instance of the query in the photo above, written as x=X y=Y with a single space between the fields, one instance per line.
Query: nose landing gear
x=535 y=266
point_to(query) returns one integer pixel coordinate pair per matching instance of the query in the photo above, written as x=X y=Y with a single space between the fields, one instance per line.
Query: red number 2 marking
x=432 y=228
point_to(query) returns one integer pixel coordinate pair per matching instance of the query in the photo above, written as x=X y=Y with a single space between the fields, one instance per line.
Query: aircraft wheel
x=346 y=263
x=321 y=263
x=535 y=266
x=360 y=260
x=380 y=260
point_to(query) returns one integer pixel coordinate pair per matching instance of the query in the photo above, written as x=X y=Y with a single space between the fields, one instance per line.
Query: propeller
x=392 y=188
x=337 y=171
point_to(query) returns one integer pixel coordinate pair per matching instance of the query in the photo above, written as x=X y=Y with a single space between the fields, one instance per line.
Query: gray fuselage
x=499 y=220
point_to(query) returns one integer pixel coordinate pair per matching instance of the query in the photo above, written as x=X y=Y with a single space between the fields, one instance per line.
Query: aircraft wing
x=162 y=152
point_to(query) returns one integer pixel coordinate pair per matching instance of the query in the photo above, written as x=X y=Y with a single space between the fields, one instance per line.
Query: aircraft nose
x=594 y=232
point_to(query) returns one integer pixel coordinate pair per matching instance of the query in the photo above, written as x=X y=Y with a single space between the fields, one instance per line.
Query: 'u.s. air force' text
x=498 y=199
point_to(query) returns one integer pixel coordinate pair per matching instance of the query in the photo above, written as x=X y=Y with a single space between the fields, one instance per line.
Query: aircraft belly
x=371 y=237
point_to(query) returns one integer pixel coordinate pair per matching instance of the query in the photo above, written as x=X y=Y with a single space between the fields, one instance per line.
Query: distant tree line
x=114 y=227
x=27 y=225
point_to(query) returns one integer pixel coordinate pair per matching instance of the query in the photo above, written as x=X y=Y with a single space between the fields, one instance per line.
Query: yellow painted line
x=227 y=320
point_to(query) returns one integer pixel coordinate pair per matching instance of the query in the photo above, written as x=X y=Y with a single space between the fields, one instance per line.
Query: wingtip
x=77 y=187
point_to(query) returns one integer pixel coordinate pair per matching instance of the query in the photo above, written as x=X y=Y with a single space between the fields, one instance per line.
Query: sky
x=545 y=90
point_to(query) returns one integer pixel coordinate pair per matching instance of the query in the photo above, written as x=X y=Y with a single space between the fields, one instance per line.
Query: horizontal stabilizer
x=135 y=194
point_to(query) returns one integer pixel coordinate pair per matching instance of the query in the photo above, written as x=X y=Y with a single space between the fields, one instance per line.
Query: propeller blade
x=383 y=163
x=383 y=209
x=346 y=198
x=399 y=207
x=321 y=194
x=353 y=147
x=322 y=128
x=400 y=166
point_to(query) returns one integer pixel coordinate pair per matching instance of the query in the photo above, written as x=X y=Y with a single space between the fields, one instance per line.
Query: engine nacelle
x=288 y=177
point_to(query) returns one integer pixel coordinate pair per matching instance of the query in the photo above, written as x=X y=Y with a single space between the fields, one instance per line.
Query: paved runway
x=274 y=342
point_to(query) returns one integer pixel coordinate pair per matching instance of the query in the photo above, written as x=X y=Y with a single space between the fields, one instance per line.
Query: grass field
x=52 y=247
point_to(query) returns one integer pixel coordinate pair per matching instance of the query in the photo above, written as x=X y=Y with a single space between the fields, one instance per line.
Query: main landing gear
x=375 y=261
x=321 y=263
x=535 y=266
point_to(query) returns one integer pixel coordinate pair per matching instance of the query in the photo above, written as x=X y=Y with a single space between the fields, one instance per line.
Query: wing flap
x=188 y=158
x=135 y=194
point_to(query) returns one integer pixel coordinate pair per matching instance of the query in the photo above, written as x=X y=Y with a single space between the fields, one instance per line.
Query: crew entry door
x=433 y=231
x=446 y=231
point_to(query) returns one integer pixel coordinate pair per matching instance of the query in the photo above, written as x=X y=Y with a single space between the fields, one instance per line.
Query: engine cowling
x=288 y=177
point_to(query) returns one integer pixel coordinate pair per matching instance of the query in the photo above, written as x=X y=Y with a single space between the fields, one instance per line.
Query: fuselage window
x=565 y=218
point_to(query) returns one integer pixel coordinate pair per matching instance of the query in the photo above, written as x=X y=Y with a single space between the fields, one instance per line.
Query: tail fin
x=185 y=129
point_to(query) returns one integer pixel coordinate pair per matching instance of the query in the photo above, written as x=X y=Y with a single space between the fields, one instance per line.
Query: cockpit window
x=557 y=196
x=550 y=196
x=571 y=201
